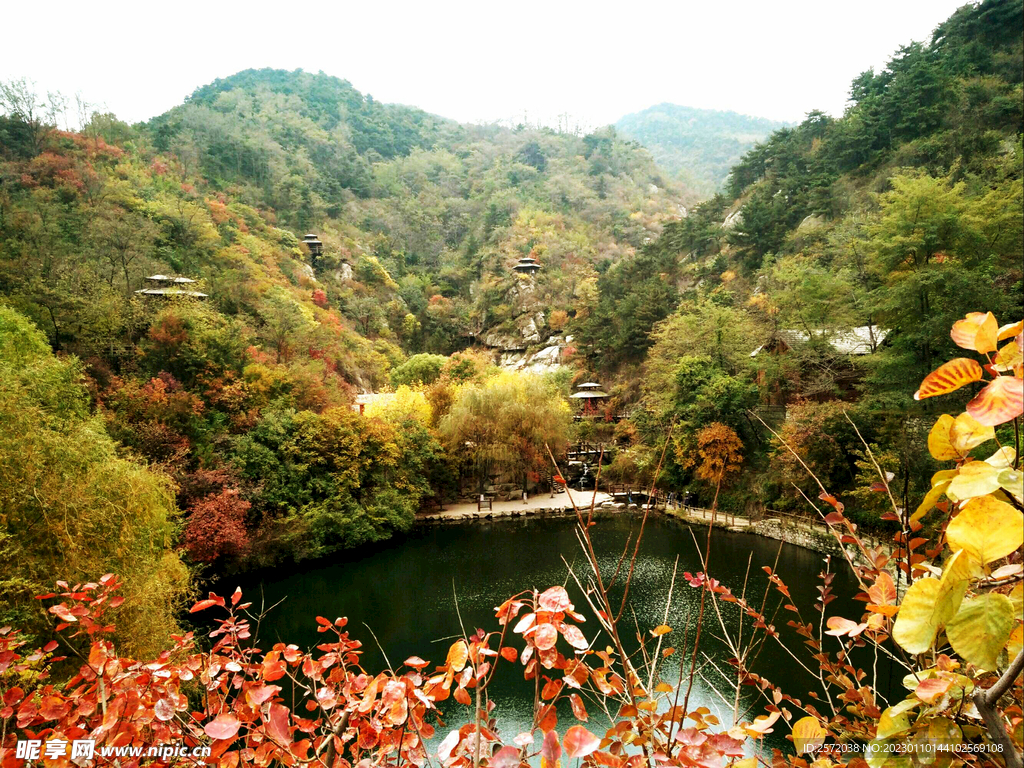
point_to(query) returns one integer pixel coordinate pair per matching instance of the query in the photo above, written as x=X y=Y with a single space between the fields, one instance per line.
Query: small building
x=168 y=287
x=591 y=396
x=315 y=246
x=835 y=370
x=527 y=265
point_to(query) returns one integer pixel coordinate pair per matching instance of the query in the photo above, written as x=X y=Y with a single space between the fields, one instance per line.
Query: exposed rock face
x=811 y=223
x=734 y=218
x=504 y=343
x=545 y=361
x=344 y=272
x=306 y=271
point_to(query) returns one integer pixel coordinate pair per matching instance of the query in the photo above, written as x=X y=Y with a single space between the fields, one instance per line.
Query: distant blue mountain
x=697 y=146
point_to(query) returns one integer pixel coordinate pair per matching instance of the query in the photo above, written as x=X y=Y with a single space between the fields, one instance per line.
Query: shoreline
x=814 y=538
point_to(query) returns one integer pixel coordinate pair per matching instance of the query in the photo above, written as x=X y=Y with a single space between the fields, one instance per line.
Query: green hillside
x=696 y=146
x=904 y=214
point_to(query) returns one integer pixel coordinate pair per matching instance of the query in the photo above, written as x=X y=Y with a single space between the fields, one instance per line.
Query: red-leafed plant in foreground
x=957 y=631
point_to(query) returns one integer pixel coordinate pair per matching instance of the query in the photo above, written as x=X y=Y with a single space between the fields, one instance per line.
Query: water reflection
x=406 y=591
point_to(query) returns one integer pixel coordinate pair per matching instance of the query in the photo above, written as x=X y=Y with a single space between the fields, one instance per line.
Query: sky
x=475 y=61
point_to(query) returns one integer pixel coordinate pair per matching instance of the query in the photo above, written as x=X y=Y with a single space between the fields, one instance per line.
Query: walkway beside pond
x=538 y=504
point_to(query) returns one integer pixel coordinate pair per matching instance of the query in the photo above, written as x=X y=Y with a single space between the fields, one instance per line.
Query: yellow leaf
x=661 y=630
x=1012 y=481
x=999 y=402
x=943 y=476
x=987 y=530
x=890 y=725
x=1017 y=598
x=808 y=734
x=1003 y=458
x=949 y=377
x=1011 y=330
x=966 y=433
x=1008 y=357
x=940 y=444
x=976 y=478
x=978 y=332
x=1016 y=641
x=930 y=500
x=981 y=628
x=927 y=605
x=762 y=724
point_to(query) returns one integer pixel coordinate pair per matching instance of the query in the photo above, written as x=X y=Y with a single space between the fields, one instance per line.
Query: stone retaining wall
x=817 y=540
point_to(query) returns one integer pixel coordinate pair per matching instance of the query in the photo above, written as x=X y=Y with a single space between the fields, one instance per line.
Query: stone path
x=542 y=503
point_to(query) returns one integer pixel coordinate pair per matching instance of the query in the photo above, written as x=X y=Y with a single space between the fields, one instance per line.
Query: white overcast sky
x=474 y=61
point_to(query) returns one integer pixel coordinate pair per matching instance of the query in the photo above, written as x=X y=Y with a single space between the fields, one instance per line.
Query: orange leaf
x=838 y=626
x=1001 y=401
x=978 y=331
x=458 y=655
x=949 y=377
x=577 y=707
x=508 y=653
x=883 y=591
x=548 y=718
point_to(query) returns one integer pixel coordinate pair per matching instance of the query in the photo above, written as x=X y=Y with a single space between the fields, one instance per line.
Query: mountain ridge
x=697 y=146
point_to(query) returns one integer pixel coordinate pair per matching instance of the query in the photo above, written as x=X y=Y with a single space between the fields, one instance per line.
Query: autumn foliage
x=957 y=631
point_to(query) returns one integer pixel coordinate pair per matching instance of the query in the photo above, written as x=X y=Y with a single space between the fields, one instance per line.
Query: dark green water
x=405 y=592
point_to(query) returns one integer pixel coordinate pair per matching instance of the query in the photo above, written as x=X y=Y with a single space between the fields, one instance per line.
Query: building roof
x=862 y=340
x=589 y=385
x=595 y=394
x=166 y=279
x=171 y=292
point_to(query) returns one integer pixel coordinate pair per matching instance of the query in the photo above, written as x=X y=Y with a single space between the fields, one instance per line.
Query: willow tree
x=70 y=507
x=503 y=424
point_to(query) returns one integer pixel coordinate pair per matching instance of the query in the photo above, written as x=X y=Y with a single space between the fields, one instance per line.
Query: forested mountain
x=696 y=146
x=446 y=209
x=904 y=214
x=241 y=403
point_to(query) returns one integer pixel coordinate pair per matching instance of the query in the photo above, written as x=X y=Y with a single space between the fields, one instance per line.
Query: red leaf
x=202 y=605
x=555 y=600
x=545 y=636
x=577 y=707
x=236 y=596
x=579 y=742
x=508 y=653
x=277 y=726
x=506 y=757
x=551 y=751
x=224 y=726
x=61 y=611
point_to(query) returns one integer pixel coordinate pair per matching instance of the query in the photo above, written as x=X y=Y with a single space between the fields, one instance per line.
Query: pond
x=405 y=591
